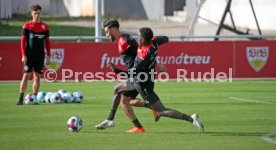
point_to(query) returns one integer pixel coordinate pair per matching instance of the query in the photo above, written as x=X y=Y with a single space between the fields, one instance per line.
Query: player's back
x=128 y=49
x=149 y=53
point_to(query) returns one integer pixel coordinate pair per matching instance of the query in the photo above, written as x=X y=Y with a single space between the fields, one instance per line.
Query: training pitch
x=237 y=115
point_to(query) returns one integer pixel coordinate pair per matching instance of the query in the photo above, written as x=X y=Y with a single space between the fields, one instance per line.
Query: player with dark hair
x=124 y=92
x=127 y=47
x=145 y=63
x=34 y=39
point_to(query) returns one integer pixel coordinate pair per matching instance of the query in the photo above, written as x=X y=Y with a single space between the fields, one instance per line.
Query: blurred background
x=245 y=29
x=174 y=18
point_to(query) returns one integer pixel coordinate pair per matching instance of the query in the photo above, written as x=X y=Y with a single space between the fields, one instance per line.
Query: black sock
x=137 y=123
x=21 y=96
x=112 y=114
x=147 y=105
x=35 y=94
x=188 y=118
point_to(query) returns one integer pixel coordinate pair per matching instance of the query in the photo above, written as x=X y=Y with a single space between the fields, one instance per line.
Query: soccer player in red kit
x=34 y=39
x=124 y=92
x=144 y=64
x=127 y=47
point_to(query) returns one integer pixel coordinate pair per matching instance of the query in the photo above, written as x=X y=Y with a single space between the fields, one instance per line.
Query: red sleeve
x=123 y=45
x=23 y=41
x=47 y=44
x=143 y=52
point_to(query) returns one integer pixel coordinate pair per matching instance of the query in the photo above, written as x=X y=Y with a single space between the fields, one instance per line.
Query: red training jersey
x=34 y=39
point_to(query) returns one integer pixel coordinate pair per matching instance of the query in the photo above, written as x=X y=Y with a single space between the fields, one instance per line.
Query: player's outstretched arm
x=161 y=40
x=115 y=69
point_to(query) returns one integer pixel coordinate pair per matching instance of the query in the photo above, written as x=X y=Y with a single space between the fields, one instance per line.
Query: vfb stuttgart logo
x=257 y=57
x=57 y=57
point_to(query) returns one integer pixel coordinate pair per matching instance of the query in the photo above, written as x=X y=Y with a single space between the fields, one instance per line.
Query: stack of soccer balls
x=61 y=96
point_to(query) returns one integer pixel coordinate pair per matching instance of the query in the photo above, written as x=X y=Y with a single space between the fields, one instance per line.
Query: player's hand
x=47 y=60
x=24 y=59
x=111 y=66
x=162 y=68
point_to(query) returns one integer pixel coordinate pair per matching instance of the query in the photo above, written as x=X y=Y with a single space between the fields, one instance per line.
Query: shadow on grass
x=245 y=134
x=235 y=133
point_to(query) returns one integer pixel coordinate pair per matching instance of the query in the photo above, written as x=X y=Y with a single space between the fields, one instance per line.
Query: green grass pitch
x=237 y=115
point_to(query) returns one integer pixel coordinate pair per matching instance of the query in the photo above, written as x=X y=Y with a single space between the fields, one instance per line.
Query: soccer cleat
x=197 y=123
x=19 y=102
x=136 y=130
x=155 y=115
x=105 y=124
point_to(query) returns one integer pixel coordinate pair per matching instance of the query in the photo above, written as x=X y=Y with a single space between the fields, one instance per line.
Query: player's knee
x=116 y=91
x=116 y=88
x=36 y=78
x=159 y=107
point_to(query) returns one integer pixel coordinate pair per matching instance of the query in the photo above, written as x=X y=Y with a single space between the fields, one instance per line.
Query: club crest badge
x=56 y=60
x=43 y=26
x=257 y=57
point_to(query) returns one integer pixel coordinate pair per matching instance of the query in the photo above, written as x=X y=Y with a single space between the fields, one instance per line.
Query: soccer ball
x=74 y=124
x=30 y=99
x=62 y=91
x=48 y=97
x=67 y=97
x=55 y=98
x=78 y=97
x=41 y=97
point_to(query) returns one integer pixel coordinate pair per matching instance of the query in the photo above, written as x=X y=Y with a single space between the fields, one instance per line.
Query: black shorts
x=36 y=65
x=146 y=90
x=131 y=90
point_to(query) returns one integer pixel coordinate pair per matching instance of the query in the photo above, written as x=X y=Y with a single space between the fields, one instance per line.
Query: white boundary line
x=249 y=100
x=266 y=97
x=267 y=138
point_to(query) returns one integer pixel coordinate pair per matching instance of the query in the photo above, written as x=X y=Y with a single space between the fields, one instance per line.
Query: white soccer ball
x=67 y=97
x=48 y=97
x=30 y=99
x=55 y=98
x=74 y=124
x=62 y=91
x=41 y=97
x=78 y=97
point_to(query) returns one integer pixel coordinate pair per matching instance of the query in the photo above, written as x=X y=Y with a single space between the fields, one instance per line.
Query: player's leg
x=130 y=114
x=150 y=97
x=137 y=102
x=118 y=89
x=23 y=87
x=109 y=122
x=171 y=113
x=27 y=72
x=36 y=82
x=38 y=71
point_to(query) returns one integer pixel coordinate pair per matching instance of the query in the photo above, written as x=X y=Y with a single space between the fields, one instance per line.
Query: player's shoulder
x=45 y=25
x=27 y=24
x=122 y=39
x=143 y=51
x=126 y=37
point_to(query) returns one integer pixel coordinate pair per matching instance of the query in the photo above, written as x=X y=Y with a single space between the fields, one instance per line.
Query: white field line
x=250 y=100
x=266 y=97
x=267 y=137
